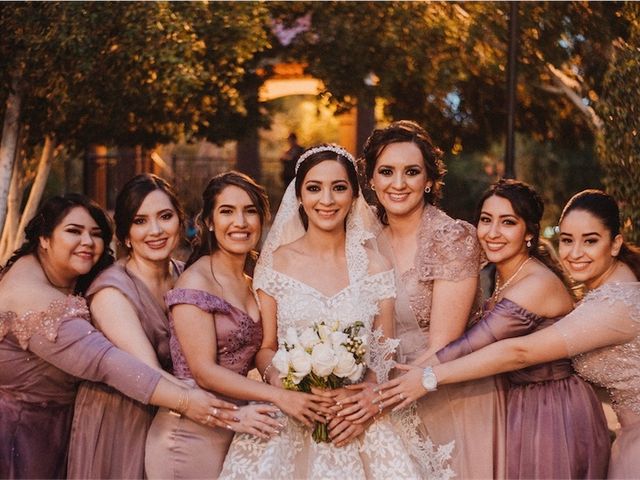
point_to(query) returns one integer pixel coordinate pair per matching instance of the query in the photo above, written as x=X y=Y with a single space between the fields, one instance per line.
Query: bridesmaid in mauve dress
x=47 y=344
x=555 y=424
x=436 y=260
x=127 y=306
x=216 y=332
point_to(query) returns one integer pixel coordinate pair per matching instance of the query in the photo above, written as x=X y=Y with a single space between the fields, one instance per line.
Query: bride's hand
x=403 y=390
x=360 y=406
x=257 y=420
x=342 y=432
x=304 y=407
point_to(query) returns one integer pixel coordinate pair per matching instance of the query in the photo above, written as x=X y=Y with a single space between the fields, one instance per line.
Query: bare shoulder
x=197 y=276
x=541 y=292
x=377 y=262
x=286 y=255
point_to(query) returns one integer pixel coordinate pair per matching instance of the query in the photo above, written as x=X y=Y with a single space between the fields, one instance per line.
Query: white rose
x=338 y=338
x=309 y=338
x=281 y=362
x=324 y=332
x=346 y=366
x=301 y=363
x=292 y=339
x=357 y=374
x=323 y=360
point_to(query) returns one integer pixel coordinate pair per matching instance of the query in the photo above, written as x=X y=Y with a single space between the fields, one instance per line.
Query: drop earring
x=528 y=243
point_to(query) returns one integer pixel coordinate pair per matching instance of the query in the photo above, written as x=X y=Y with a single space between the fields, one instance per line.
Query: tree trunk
x=39 y=182
x=13 y=214
x=8 y=146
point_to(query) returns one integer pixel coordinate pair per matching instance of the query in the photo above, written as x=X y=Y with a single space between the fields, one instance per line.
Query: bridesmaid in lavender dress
x=47 y=343
x=556 y=426
x=109 y=429
x=216 y=332
x=602 y=335
x=436 y=260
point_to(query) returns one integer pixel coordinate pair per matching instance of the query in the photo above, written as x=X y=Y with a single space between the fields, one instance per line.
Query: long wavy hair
x=205 y=242
x=49 y=216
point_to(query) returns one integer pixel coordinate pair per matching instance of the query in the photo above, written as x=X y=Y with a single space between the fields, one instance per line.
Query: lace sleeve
x=447 y=249
x=609 y=315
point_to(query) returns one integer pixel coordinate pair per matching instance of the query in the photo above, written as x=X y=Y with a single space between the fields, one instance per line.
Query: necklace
x=63 y=288
x=499 y=288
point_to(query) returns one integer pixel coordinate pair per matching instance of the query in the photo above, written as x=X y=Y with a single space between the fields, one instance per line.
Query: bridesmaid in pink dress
x=556 y=426
x=47 y=343
x=127 y=306
x=216 y=333
x=436 y=261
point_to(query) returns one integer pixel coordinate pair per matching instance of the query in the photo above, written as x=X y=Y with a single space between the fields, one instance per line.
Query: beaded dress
x=469 y=416
x=43 y=356
x=603 y=336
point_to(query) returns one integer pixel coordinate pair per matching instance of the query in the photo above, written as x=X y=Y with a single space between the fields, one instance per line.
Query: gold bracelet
x=183 y=401
x=265 y=374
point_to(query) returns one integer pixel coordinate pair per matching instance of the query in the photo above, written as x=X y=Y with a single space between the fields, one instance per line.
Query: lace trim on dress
x=46 y=322
x=201 y=299
x=447 y=249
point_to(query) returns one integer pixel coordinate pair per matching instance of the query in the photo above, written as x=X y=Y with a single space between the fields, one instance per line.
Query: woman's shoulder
x=197 y=276
x=541 y=292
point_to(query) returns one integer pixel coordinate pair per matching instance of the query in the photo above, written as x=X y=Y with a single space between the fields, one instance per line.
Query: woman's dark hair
x=400 y=132
x=604 y=207
x=205 y=242
x=528 y=205
x=131 y=197
x=319 y=157
x=49 y=216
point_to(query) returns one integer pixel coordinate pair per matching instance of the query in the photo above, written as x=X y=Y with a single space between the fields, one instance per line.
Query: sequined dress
x=469 y=416
x=178 y=447
x=603 y=336
x=383 y=451
x=555 y=424
x=109 y=429
x=43 y=356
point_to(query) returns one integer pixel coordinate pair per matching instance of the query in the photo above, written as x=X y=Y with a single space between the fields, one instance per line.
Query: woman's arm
x=118 y=320
x=450 y=311
x=80 y=350
x=195 y=330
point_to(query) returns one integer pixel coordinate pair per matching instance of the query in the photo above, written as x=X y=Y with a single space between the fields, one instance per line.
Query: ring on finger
x=215 y=412
x=401 y=396
x=208 y=419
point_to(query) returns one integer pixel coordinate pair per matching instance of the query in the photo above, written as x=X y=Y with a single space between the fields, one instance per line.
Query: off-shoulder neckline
x=66 y=300
x=226 y=302
x=323 y=295
x=523 y=310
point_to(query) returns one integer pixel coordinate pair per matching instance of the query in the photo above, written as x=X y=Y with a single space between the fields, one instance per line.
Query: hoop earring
x=427 y=189
x=373 y=187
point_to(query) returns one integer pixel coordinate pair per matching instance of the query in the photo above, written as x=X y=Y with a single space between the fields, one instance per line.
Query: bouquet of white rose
x=323 y=356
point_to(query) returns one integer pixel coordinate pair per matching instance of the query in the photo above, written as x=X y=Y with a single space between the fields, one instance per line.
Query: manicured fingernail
x=237 y=419
x=229 y=427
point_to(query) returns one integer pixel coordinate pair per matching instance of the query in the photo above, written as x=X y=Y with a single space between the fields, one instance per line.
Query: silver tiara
x=325 y=148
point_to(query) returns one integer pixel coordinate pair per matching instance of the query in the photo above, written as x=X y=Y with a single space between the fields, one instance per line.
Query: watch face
x=429 y=380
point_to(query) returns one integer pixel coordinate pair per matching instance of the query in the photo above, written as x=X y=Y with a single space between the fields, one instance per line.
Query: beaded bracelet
x=265 y=374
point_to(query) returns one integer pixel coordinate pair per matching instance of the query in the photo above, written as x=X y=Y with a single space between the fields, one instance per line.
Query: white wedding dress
x=392 y=446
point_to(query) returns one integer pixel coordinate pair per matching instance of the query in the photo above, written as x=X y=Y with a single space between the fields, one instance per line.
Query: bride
x=318 y=263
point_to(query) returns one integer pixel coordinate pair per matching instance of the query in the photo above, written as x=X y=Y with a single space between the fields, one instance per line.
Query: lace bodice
x=300 y=305
x=603 y=336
